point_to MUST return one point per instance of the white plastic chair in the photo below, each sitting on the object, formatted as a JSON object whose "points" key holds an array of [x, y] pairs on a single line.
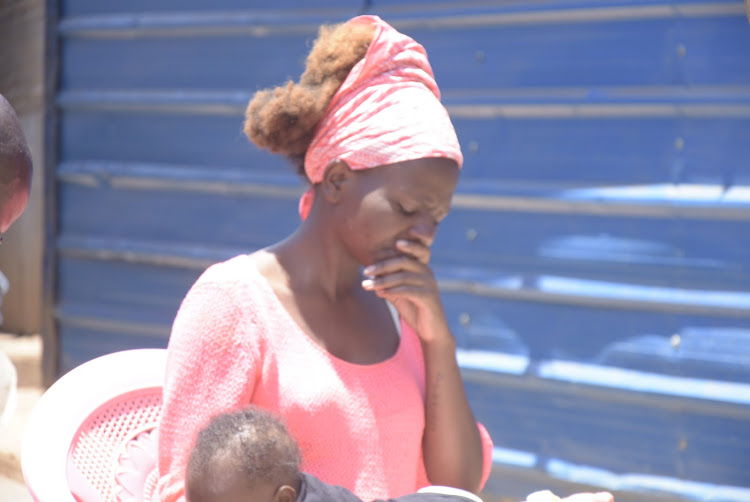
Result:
{"points": [[92, 436]]}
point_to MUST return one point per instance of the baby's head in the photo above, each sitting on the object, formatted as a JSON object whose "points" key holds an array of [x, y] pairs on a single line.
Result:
{"points": [[15, 166], [243, 455]]}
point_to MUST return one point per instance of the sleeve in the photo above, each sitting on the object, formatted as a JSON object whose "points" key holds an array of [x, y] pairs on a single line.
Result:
{"points": [[487, 446], [212, 367]]}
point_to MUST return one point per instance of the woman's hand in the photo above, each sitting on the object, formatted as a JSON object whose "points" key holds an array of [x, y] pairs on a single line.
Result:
{"points": [[409, 284], [452, 448], [548, 496]]}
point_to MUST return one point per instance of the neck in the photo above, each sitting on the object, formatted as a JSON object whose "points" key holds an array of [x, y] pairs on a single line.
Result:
{"points": [[314, 261]]}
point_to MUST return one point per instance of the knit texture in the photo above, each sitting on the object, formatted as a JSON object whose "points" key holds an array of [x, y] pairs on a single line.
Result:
{"points": [[233, 343]]}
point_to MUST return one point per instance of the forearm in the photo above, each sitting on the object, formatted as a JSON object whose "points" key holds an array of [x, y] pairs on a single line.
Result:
{"points": [[451, 444]]}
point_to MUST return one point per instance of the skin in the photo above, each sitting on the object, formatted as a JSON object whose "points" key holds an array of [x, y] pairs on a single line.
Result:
{"points": [[367, 239], [317, 274], [13, 200], [15, 167]]}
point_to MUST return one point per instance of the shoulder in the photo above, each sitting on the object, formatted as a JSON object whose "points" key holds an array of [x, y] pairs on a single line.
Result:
{"points": [[229, 281], [223, 292], [232, 271], [225, 302]]}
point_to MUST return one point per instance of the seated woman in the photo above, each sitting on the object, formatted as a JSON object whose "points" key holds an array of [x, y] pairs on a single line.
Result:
{"points": [[340, 328]]}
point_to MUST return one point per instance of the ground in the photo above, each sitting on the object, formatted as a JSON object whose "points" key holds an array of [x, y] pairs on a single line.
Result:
{"points": [[25, 353]]}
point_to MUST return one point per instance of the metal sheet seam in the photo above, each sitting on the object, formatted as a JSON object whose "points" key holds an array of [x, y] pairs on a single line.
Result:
{"points": [[252, 24]]}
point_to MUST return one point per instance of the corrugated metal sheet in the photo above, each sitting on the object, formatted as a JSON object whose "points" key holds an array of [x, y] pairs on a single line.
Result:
{"points": [[595, 267]]}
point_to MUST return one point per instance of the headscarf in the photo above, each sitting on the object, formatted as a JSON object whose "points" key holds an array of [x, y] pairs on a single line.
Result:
{"points": [[387, 110]]}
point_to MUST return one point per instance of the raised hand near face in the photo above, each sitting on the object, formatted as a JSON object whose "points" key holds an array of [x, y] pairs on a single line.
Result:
{"points": [[407, 281]]}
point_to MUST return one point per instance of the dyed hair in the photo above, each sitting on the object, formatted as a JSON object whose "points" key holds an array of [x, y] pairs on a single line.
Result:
{"points": [[283, 119], [251, 443]]}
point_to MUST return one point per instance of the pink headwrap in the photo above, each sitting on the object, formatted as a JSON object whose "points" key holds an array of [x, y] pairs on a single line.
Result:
{"points": [[387, 110]]}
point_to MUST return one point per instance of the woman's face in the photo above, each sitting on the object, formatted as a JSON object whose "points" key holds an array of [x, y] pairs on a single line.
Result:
{"points": [[406, 200]]}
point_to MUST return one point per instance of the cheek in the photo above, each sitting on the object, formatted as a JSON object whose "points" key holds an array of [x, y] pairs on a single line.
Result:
{"points": [[380, 219], [12, 209], [371, 229]]}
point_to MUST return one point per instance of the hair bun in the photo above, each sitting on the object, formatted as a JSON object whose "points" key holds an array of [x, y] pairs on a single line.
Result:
{"points": [[283, 119]]}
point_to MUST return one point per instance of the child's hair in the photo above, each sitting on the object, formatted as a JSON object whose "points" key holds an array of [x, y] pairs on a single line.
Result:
{"points": [[15, 157], [250, 442], [283, 119]]}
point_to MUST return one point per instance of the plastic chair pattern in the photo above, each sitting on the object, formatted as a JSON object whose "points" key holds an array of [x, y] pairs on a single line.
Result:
{"points": [[93, 434]]}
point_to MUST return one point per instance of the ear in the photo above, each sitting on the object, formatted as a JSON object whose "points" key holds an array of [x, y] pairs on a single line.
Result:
{"points": [[285, 493], [335, 179]]}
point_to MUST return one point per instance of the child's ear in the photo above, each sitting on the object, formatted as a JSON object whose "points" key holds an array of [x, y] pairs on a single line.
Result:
{"points": [[285, 493]]}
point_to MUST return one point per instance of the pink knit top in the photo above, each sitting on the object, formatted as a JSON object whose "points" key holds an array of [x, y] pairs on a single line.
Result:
{"points": [[233, 343]]}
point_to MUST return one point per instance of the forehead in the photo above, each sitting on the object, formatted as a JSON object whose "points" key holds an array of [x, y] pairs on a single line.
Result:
{"points": [[431, 178]]}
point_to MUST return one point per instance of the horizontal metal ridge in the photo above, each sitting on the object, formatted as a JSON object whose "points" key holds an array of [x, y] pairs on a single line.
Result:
{"points": [[548, 289], [609, 384], [602, 207], [589, 110], [707, 102], [82, 319], [206, 179], [253, 23], [645, 484], [257, 23], [707, 202], [226, 102], [181, 255], [600, 294]]}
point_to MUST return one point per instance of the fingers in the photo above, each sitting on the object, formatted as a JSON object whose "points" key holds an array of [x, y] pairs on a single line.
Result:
{"points": [[401, 283], [396, 265], [406, 276], [416, 249]]}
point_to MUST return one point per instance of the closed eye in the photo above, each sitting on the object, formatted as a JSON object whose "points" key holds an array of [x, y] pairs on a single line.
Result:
{"points": [[405, 211]]}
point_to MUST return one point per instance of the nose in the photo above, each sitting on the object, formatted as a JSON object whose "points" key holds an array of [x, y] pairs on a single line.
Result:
{"points": [[425, 230]]}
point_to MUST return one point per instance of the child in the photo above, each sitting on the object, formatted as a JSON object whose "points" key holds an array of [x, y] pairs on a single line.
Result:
{"points": [[249, 455]]}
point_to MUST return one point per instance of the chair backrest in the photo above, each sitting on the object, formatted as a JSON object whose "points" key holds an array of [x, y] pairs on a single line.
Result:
{"points": [[92, 435]]}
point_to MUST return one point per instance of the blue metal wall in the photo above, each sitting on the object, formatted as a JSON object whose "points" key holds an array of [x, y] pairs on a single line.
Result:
{"points": [[596, 265]]}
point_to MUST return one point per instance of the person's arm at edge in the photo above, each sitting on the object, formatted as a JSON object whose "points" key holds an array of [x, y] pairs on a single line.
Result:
{"points": [[208, 371]]}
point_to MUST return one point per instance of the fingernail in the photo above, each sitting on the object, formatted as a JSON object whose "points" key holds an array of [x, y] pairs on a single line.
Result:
{"points": [[368, 283], [369, 270]]}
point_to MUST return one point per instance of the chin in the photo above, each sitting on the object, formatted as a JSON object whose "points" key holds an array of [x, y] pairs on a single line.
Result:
{"points": [[384, 254]]}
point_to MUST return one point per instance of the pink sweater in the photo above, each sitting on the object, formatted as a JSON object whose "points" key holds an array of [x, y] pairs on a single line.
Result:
{"points": [[233, 343]]}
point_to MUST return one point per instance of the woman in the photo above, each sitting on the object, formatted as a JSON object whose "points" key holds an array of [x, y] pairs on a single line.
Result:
{"points": [[305, 328]]}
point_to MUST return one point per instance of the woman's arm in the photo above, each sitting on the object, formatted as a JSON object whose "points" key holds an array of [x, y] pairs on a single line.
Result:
{"points": [[209, 370], [453, 449], [452, 446]]}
